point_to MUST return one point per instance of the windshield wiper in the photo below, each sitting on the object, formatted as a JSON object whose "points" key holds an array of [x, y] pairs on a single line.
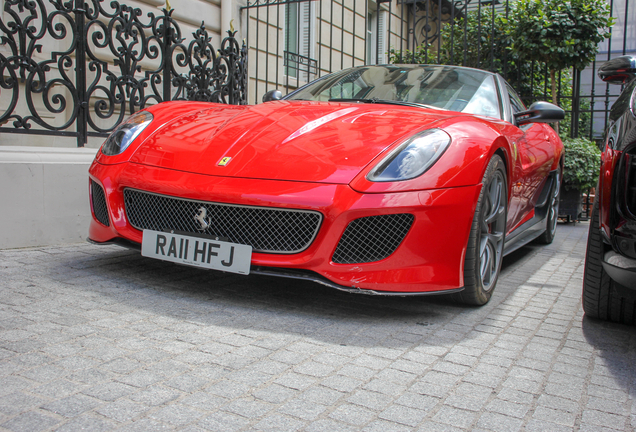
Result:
{"points": [[382, 101]]}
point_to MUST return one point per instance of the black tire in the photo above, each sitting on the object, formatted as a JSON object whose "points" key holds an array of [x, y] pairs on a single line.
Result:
{"points": [[484, 252], [553, 212], [602, 297]]}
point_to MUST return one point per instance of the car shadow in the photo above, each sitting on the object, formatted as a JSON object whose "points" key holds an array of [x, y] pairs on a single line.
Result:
{"points": [[616, 354], [269, 303]]}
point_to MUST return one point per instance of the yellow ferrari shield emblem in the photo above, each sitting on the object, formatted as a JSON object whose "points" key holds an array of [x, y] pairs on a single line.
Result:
{"points": [[224, 161]]}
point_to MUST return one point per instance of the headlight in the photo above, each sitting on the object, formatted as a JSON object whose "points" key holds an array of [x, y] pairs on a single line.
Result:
{"points": [[125, 133], [412, 158]]}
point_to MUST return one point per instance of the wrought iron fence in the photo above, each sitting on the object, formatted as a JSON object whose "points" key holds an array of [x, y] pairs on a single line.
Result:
{"points": [[78, 69]]}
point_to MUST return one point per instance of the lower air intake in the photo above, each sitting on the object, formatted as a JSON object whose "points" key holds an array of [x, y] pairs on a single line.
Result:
{"points": [[372, 238], [100, 210]]}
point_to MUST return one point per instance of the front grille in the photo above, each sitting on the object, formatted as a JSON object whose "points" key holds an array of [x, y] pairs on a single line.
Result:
{"points": [[100, 210], [372, 238], [266, 229]]}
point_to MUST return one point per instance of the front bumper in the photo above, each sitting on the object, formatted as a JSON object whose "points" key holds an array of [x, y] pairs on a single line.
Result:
{"points": [[429, 259], [620, 268]]}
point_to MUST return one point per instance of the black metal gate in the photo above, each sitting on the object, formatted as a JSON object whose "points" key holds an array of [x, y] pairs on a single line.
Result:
{"points": [[80, 68]]}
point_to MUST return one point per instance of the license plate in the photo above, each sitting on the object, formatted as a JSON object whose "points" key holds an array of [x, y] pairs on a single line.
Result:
{"points": [[197, 251]]}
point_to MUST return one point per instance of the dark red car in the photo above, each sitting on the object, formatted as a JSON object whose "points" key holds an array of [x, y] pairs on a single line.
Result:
{"points": [[609, 286], [377, 179]]}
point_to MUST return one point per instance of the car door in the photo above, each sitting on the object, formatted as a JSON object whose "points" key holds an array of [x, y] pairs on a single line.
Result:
{"points": [[533, 159]]}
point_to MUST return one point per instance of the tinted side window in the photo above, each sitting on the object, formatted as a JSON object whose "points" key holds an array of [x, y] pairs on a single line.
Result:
{"points": [[515, 101]]}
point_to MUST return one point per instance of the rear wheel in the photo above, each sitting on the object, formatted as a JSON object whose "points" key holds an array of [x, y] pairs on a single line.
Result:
{"points": [[484, 252], [602, 297], [553, 212]]}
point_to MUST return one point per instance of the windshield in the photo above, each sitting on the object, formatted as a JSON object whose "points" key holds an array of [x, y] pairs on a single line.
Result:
{"points": [[456, 89]]}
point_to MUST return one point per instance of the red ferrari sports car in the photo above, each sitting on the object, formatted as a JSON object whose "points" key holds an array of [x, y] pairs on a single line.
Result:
{"points": [[411, 179]]}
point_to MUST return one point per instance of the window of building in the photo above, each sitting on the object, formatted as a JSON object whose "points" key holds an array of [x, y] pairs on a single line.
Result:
{"points": [[299, 39], [376, 35]]}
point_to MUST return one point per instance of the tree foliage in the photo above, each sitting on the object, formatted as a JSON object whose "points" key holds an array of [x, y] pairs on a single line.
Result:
{"points": [[582, 163], [484, 39], [560, 33]]}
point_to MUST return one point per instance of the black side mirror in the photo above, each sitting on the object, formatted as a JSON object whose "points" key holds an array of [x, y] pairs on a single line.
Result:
{"points": [[540, 112], [272, 95], [619, 70]]}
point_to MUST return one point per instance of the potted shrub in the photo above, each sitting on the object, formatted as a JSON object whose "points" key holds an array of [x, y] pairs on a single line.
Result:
{"points": [[580, 173]]}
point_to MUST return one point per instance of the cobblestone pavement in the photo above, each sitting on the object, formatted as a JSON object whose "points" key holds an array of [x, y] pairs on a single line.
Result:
{"points": [[98, 338]]}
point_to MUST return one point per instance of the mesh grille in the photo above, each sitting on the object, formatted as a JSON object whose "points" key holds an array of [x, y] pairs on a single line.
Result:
{"points": [[372, 238], [100, 210], [265, 229]]}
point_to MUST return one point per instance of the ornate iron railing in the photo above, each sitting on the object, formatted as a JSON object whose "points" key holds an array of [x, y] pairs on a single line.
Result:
{"points": [[301, 63], [80, 68]]}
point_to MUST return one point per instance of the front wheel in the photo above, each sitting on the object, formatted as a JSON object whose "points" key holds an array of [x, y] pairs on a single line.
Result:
{"points": [[484, 252]]}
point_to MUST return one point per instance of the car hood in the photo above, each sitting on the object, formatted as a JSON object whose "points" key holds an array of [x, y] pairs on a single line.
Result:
{"points": [[283, 140]]}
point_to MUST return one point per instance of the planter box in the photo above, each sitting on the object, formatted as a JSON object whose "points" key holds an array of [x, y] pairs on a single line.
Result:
{"points": [[570, 205]]}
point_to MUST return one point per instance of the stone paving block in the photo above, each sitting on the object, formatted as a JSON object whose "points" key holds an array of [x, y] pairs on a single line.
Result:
{"points": [[599, 418], [483, 379], [369, 399], [421, 402], [314, 369], [147, 424], [508, 408], [358, 372], [18, 402], [353, 414], [109, 391], [329, 425], [431, 426], [296, 381], [303, 409], [535, 425], [87, 423], [455, 417], [554, 416], [383, 426], [341, 383], [155, 395], [279, 423], [176, 415], [608, 406], [430, 389], [72, 406], [499, 423], [32, 421], [12, 384], [122, 410], [465, 402]]}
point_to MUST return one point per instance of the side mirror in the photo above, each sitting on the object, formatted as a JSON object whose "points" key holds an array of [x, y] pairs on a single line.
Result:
{"points": [[619, 70], [540, 112], [272, 95]]}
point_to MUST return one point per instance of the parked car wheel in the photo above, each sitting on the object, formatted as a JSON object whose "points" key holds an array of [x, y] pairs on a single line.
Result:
{"points": [[553, 212], [484, 253], [603, 298]]}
